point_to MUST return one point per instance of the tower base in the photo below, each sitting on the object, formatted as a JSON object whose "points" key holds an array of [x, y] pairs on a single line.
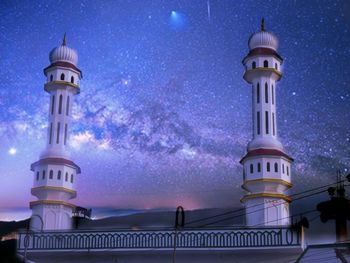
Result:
{"points": [[265, 211], [53, 215]]}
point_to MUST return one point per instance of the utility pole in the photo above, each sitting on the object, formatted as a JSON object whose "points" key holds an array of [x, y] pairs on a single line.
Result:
{"points": [[338, 208]]}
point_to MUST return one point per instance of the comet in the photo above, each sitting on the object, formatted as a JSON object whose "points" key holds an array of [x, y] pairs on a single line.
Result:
{"points": [[208, 9]]}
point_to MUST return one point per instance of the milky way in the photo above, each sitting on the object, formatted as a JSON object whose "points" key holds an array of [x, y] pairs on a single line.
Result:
{"points": [[164, 115]]}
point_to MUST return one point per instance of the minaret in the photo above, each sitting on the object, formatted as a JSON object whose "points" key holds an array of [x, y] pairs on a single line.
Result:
{"points": [[266, 166], [55, 173]]}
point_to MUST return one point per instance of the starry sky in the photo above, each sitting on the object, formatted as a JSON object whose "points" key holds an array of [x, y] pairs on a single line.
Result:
{"points": [[164, 115]]}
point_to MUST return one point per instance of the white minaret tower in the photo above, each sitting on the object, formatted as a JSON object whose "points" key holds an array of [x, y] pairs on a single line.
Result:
{"points": [[55, 173], [266, 166]]}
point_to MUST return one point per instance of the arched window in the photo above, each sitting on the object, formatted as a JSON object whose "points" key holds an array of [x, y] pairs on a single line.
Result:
{"points": [[50, 135], [254, 64], [287, 170], [67, 106], [258, 122], [51, 78], [273, 124], [65, 134], [43, 174], [244, 175], [62, 76], [66, 177], [266, 93], [58, 133], [272, 95], [282, 167], [267, 122], [251, 168], [276, 168], [72, 79], [51, 174], [71, 178], [259, 167], [258, 93], [59, 175], [266, 64], [276, 67], [60, 104], [268, 166], [37, 176], [52, 104]]}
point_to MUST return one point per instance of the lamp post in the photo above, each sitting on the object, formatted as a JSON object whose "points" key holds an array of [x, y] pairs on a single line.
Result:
{"points": [[26, 238]]}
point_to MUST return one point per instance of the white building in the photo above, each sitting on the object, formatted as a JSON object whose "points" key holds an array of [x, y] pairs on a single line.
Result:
{"points": [[266, 166], [267, 175], [55, 172]]}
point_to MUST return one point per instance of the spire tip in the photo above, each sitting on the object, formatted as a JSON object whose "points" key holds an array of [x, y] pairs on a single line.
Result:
{"points": [[262, 24], [64, 40]]}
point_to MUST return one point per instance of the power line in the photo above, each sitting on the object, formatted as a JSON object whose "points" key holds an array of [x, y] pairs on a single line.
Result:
{"points": [[232, 217], [291, 216], [243, 208]]}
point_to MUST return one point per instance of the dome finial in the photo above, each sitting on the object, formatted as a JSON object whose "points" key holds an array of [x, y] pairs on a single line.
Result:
{"points": [[64, 40], [262, 24]]}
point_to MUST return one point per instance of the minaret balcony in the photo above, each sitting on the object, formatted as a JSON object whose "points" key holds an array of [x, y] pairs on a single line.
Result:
{"points": [[267, 195], [61, 84], [270, 185], [53, 193], [252, 74]]}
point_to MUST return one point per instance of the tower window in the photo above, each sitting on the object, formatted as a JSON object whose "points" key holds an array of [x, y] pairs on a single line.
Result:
{"points": [[287, 170], [62, 76], [37, 176], [272, 95], [259, 167], [251, 168], [283, 168], [266, 93], [266, 64], [67, 106], [59, 175], [258, 122], [258, 93], [58, 133], [254, 64], [72, 79], [273, 124], [53, 104], [71, 178], [60, 104], [51, 78], [50, 135], [43, 175], [276, 168], [268, 166], [276, 67], [51, 174], [267, 122], [244, 175], [65, 134], [66, 177]]}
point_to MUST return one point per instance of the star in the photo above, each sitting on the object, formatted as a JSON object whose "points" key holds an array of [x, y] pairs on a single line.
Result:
{"points": [[12, 151]]}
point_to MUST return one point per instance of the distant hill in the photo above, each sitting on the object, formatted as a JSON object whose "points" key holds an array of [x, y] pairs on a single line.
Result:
{"points": [[157, 219]]}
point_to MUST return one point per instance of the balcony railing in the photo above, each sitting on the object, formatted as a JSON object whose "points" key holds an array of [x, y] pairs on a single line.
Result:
{"points": [[159, 239]]}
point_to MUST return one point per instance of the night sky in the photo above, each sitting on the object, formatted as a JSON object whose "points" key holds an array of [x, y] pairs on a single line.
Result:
{"points": [[164, 115]]}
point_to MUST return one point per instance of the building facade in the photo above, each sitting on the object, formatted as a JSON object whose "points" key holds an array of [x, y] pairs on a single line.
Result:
{"points": [[55, 173], [266, 166], [267, 175]]}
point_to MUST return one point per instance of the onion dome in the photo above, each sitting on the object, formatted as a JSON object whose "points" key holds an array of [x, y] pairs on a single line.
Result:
{"points": [[64, 54], [263, 39]]}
